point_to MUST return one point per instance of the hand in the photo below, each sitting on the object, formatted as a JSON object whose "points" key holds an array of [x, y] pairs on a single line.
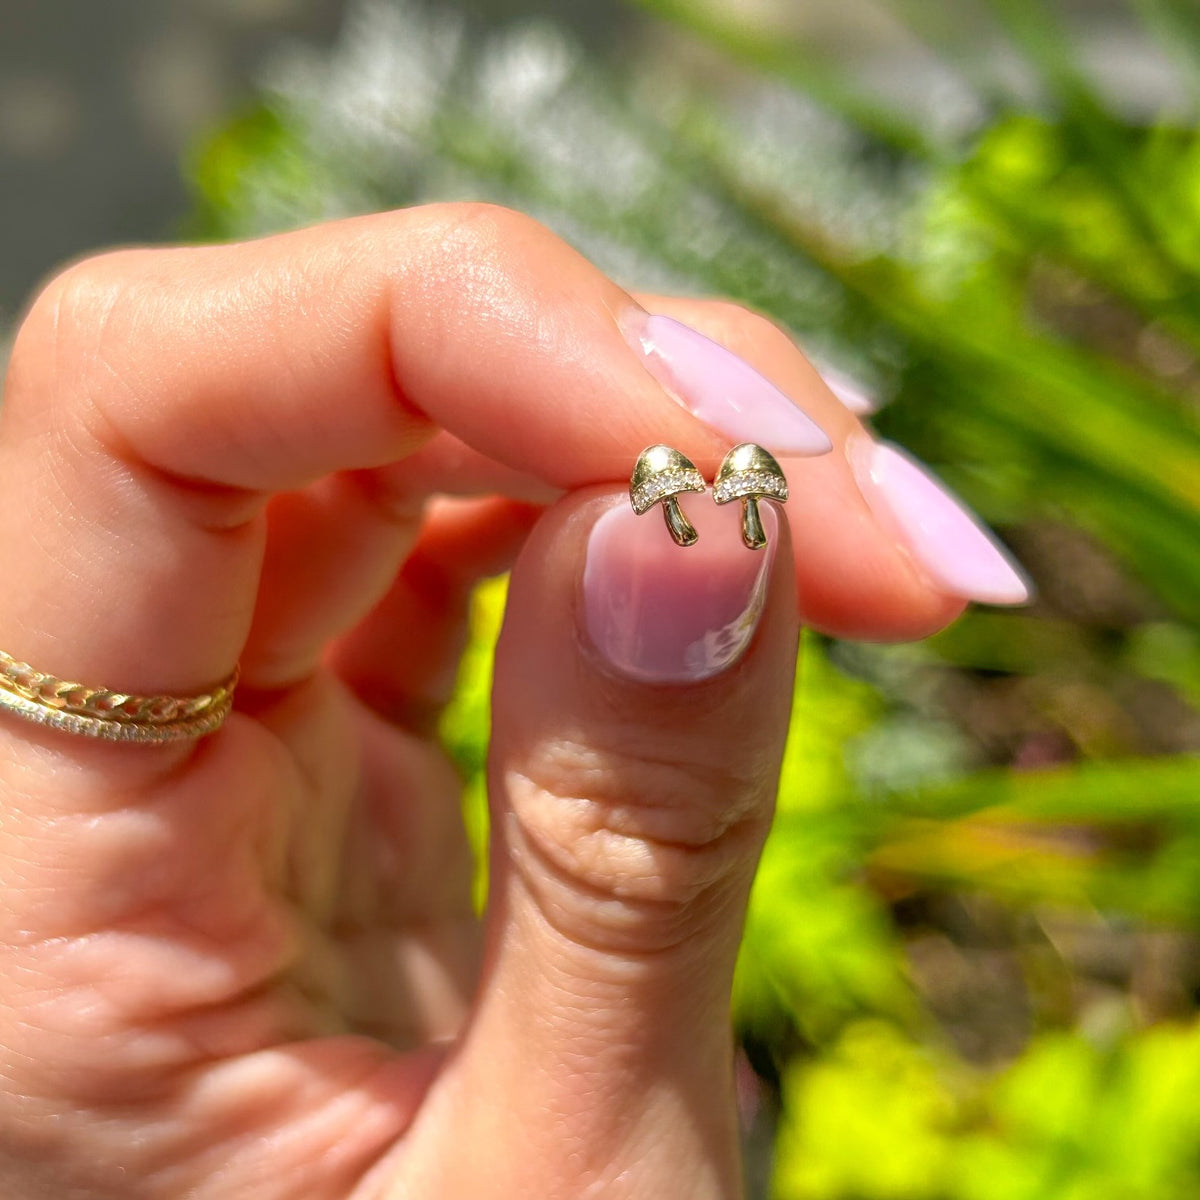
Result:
{"points": [[247, 966]]}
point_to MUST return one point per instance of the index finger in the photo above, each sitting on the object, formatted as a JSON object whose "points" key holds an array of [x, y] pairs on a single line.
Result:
{"points": [[156, 397]]}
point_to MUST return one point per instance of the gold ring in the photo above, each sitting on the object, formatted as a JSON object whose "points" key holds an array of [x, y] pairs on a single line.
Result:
{"points": [[104, 713]]}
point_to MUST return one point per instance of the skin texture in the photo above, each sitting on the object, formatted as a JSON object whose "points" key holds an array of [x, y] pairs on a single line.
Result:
{"points": [[248, 967]]}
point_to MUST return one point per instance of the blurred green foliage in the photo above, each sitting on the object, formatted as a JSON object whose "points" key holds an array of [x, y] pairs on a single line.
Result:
{"points": [[973, 955]]}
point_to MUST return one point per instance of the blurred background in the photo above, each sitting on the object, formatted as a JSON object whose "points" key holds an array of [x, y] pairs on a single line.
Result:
{"points": [[972, 967]]}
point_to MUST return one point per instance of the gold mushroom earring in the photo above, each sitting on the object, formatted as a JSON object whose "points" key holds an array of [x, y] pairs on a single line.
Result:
{"points": [[659, 475], [750, 474]]}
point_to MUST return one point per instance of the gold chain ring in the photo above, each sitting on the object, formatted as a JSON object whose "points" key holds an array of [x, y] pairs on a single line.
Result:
{"points": [[104, 713]]}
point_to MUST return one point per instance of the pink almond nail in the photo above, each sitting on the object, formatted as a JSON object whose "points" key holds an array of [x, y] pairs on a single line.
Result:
{"points": [[660, 613], [720, 388], [957, 553]]}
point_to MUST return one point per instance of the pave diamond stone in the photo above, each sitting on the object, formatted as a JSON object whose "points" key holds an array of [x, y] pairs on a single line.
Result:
{"points": [[750, 483], [667, 484]]}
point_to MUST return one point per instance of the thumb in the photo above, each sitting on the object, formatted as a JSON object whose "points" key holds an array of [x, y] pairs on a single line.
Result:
{"points": [[640, 708]]}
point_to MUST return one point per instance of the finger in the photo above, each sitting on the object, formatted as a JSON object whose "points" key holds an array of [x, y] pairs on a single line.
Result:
{"points": [[447, 466], [333, 551], [880, 552], [640, 707], [155, 398], [402, 913], [403, 658]]}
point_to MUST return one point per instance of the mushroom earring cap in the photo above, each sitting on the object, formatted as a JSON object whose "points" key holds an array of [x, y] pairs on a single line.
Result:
{"points": [[749, 474], [659, 475]]}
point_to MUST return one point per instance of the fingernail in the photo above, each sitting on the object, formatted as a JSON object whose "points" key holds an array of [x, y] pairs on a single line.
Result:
{"points": [[957, 553], [849, 391], [720, 388], [658, 613]]}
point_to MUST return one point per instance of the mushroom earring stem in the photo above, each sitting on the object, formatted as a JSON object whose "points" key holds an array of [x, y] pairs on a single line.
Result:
{"points": [[753, 533], [749, 474], [659, 476], [682, 530]]}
